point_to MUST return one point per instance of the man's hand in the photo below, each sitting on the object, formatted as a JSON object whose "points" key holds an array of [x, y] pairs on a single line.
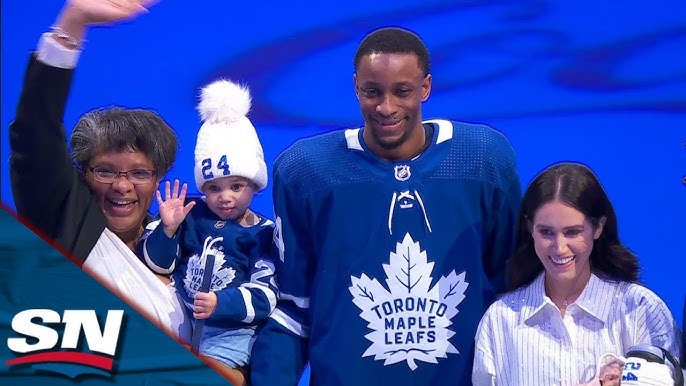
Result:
{"points": [[204, 304]]}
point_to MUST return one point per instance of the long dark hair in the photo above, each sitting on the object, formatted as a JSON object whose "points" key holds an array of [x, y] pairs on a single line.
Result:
{"points": [[577, 186]]}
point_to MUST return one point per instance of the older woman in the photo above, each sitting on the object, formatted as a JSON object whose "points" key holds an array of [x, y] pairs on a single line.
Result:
{"points": [[94, 212], [574, 293]]}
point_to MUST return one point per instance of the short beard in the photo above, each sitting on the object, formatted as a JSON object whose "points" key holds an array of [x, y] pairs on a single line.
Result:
{"points": [[386, 145]]}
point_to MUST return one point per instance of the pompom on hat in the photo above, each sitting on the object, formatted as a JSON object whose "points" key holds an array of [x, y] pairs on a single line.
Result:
{"points": [[227, 143]]}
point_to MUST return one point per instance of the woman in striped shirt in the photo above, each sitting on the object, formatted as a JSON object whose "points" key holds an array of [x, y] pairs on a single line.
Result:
{"points": [[573, 291]]}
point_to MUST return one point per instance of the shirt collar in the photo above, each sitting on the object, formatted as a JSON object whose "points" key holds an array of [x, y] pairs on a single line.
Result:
{"points": [[536, 299], [592, 299]]}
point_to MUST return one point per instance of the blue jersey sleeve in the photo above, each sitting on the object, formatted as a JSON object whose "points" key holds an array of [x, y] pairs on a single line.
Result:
{"points": [[278, 357], [158, 251], [254, 299], [505, 201], [279, 352]]}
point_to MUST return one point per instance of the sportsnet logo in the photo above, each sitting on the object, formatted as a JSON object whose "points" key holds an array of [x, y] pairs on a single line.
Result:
{"points": [[39, 341]]}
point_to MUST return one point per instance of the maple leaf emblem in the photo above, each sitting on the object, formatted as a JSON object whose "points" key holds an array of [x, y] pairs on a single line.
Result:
{"points": [[410, 321], [221, 276]]}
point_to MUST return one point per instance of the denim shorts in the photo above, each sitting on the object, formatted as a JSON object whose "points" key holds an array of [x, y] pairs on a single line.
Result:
{"points": [[230, 347]]}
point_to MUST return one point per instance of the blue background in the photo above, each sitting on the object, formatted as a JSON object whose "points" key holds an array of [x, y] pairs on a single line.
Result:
{"points": [[601, 82]]}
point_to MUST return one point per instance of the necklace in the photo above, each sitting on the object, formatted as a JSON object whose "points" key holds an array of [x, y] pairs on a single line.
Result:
{"points": [[565, 302]]}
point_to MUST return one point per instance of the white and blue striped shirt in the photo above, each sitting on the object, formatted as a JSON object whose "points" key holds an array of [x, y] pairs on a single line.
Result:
{"points": [[523, 340]]}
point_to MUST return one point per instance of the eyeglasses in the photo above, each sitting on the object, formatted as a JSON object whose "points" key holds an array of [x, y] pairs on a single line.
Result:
{"points": [[108, 176]]}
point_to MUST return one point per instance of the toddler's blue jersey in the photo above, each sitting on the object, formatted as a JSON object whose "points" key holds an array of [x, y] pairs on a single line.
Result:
{"points": [[387, 267], [243, 272]]}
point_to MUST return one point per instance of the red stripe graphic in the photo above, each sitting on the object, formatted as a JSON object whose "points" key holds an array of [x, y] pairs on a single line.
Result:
{"points": [[65, 356]]}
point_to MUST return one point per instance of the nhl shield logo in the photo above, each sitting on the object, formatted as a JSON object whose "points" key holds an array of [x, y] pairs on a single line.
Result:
{"points": [[402, 172]]}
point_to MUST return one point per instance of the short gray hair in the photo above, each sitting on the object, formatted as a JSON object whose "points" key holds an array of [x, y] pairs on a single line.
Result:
{"points": [[120, 129]]}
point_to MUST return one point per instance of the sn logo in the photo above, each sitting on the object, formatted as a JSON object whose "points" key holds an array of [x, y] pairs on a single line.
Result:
{"points": [[41, 348]]}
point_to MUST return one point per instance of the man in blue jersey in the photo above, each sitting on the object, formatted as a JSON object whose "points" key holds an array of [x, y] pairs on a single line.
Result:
{"points": [[392, 236]]}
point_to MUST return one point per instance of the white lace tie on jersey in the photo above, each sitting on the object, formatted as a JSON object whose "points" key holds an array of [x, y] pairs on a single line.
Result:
{"points": [[395, 199], [207, 248]]}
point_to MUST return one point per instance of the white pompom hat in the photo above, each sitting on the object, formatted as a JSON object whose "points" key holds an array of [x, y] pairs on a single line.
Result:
{"points": [[227, 143]]}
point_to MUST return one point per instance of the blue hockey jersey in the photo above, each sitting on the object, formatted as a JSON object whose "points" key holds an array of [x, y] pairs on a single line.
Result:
{"points": [[243, 272], [385, 268]]}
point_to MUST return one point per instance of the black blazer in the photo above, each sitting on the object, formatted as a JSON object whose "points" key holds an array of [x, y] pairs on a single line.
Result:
{"points": [[49, 192]]}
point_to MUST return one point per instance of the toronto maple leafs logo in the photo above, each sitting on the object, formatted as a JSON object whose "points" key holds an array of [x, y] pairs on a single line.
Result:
{"points": [[410, 320], [221, 276]]}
